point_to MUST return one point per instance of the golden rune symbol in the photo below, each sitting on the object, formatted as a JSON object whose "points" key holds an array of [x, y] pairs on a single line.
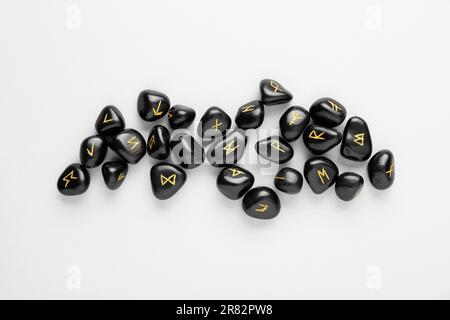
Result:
{"points": [[106, 120], [217, 125], [121, 176], [247, 108], [276, 145], [262, 208], [280, 178], [230, 147], [334, 106], [235, 172], [157, 112], [359, 139], [323, 173], [313, 135], [133, 142], [391, 170], [91, 150], [275, 86], [295, 116], [152, 141], [69, 177], [171, 179]]}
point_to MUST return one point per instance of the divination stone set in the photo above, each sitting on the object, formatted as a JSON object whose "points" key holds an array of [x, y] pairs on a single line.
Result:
{"points": [[227, 146]]}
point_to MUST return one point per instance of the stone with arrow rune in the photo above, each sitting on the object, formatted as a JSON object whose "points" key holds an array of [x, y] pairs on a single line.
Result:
{"points": [[110, 121], [152, 105], [93, 151], [114, 173]]}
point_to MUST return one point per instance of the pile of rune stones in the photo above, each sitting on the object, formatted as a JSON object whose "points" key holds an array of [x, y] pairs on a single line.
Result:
{"points": [[226, 147]]}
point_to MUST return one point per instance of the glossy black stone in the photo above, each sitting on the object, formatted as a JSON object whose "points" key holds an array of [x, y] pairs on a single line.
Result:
{"points": [[229, 150], [327, 112], [348, 185], [273, 93], [234, 182], [357, 143], [250, 115], [158, 143], [261, 203], [93, 151], [289, 180], [275, 149], [214, 123], [152, 105], [110, 121], [293, 121], [186, 151], [319, 139], [129, 144], [320, 173], [180, 117], [114, 173], [74, 180], [166, 179], [381, 169]]}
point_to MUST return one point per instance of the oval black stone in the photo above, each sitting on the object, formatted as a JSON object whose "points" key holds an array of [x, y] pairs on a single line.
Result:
{"points": [[293, 121], [273, 93], [289, 180], [114, 173], [214, 123], [233, 182], [250, 115], [129, 145], [275, 149], [93, 151], [328, 112], [319, 139], [180, 117], [74, 180], [166, 179], [381, 169], [348, 185], [158, 143], [320, 173], [110, 121], [261, 203], [186, 151], [357, 143], [228, 150], [152, 105]]}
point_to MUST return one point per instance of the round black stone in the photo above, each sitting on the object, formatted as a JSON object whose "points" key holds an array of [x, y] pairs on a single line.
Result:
{"points": [[327, 112], [233, 182], [93, 151], [288, 180], [348, 185], [381, 169], [152, 105], [74, 180], [261, 203]]}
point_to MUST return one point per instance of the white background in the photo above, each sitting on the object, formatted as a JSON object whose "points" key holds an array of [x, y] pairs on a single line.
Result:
{"points": [[62, 61]]}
